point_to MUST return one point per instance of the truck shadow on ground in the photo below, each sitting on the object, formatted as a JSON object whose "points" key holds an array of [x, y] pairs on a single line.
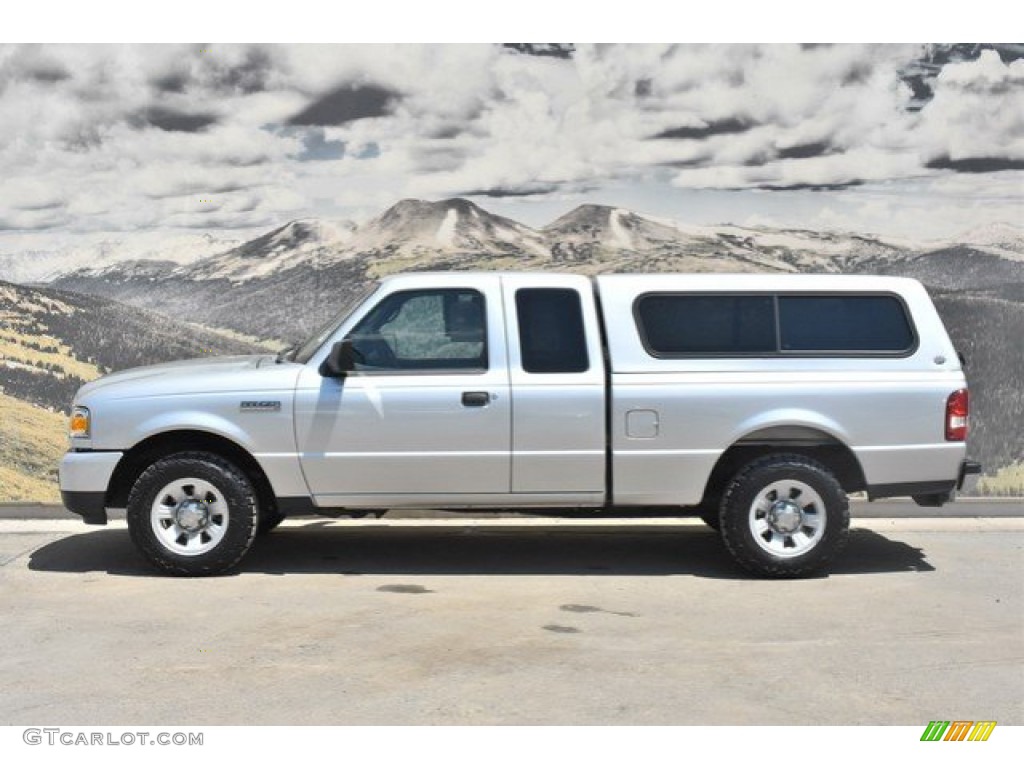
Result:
{"points": [[322, 547]]}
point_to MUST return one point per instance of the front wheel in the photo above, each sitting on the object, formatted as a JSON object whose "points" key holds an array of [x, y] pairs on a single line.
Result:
{"points": [[269, 520], [784, 515], [192, 514]]}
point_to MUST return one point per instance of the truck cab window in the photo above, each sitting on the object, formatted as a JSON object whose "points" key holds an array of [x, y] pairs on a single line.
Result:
{"points": [[423, 331], [551, 335]]}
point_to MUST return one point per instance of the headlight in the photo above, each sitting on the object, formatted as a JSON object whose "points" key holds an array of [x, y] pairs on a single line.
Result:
{"points": [[81, 422]]}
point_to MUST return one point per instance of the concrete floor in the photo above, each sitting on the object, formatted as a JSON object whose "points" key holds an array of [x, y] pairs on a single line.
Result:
{"points": [[516, 622]]}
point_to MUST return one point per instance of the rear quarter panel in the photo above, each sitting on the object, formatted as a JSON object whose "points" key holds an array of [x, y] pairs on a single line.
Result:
{"points": [[888, 410]]}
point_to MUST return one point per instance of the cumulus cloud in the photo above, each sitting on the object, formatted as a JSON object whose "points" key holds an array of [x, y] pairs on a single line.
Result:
{"points": [[33, 195], [976, 117], [142, 136]]}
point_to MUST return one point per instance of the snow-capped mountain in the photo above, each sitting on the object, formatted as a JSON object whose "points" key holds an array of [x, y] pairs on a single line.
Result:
{"points": [[591, 229], [409, 234], [458, 234], [1007, 239], [413, 229], [602, 234], [101, 251], [613, 228], [316, 263], [297, 242]]}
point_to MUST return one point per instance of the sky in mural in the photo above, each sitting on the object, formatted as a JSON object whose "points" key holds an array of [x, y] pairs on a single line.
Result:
{"points": [[915, 141]]}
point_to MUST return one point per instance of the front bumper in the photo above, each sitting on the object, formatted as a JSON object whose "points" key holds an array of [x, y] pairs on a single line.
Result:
{"points": [[91, 505], [84, 479]]}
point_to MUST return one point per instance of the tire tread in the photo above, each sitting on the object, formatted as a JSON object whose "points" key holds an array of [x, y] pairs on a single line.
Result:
{"points": [[244, 511], [734, 520]]}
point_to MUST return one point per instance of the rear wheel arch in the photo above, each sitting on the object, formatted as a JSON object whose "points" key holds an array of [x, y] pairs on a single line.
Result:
{"points": [[814, 444]]}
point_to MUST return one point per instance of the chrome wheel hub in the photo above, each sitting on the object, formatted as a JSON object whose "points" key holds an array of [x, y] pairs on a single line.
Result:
{"points": [[787, 518], [189, 516], [192, 515], [784, 516]]}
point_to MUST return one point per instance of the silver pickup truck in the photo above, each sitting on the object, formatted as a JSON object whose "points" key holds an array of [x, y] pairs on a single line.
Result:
{"points": [[757, 402]]}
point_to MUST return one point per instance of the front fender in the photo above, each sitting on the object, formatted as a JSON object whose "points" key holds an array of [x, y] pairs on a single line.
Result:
{"points": [[193, 421], [267, 436]]}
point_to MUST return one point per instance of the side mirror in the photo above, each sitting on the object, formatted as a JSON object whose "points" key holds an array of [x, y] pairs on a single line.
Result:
{"points": [[340, 361]]}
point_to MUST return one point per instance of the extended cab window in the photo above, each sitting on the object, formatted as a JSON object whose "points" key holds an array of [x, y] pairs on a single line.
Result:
{"points": [[551, 335], [423, 331]]}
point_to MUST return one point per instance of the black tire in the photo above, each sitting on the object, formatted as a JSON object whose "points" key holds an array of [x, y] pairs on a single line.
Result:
{"points": [[784, 516], [207, 519], [711, 517], [269, 520]]}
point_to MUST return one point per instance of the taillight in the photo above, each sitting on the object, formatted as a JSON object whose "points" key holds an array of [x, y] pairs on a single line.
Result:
{"points": [[957, 408]]}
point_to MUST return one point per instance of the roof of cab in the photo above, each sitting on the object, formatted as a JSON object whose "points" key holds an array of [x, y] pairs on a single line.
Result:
{"points": [[673, 281]]}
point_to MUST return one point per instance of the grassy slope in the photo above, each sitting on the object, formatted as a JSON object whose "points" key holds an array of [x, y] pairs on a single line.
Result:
{"points": [[33, 441], [1008, 481], [51, 342]]}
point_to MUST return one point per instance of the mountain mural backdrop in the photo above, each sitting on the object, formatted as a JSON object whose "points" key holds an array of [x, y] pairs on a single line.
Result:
{"points": [[76, 315]]}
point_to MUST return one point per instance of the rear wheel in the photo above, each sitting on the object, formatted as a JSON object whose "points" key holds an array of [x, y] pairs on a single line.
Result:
{"points": [[193, 514], [784, 515]]}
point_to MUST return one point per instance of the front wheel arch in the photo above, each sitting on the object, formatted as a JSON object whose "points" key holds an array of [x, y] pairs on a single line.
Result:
{"points": [[143, 454]]}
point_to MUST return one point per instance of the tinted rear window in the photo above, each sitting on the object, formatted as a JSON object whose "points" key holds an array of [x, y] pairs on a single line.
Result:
{"points": [[699, 325], [695, 325], [844, 324]]}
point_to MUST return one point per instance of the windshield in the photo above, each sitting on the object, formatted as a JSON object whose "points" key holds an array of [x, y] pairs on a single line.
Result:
{"points": [[309, 348]]}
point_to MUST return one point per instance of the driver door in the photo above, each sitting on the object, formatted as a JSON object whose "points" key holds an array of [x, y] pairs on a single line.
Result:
{"points": [[425, 416]]}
